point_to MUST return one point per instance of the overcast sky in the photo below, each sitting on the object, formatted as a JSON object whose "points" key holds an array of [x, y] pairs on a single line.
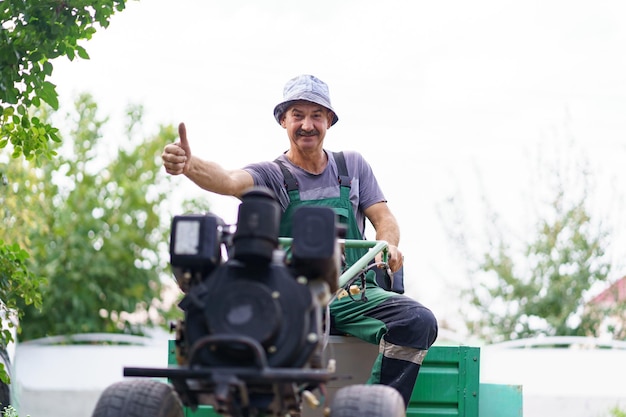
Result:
{"points": [[438, 96]]}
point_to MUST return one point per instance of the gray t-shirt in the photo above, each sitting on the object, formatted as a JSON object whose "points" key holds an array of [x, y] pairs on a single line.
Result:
{"points": [[364, 190]]}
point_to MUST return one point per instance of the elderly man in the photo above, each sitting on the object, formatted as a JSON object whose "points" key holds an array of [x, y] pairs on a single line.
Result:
{"points": [[309, 174]]}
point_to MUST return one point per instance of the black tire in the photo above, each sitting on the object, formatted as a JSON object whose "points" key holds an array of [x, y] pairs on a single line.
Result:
{"points": [[139, 398], [367, 401]]}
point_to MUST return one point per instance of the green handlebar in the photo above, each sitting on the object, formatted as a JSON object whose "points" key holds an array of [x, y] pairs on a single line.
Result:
{"points": [[375, 245]]}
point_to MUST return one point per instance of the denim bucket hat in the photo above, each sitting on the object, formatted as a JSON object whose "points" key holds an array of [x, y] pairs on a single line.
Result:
{"points": [[307, 88]]}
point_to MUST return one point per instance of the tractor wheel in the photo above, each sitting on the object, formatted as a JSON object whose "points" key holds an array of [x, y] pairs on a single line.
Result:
{"points": [[367, 401], [138, 398]]}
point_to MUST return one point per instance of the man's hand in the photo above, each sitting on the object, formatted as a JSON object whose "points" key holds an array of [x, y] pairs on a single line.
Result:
{"points": [[177, 156], [395, 259]]}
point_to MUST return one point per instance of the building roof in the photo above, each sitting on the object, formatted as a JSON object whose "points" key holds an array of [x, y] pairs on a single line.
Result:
{"points": [[614, 294]]}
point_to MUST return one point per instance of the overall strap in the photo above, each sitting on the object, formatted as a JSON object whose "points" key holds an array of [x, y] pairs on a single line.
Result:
{"points": [[292, 184], [342, 169], [290, 181]]}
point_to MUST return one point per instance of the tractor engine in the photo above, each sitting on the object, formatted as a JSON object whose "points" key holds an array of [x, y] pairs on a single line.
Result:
{"points": [[251, 302]]}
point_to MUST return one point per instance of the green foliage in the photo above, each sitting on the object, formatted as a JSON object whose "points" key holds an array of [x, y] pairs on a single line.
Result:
{"points": [[617, 412], [18, 284], [543, 291], [16, 281], [31, 35], [520, 288], [10, 411], [99, 234]]}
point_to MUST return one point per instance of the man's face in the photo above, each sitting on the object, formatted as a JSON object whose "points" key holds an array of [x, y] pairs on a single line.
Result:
{"points": [[306, 124]]}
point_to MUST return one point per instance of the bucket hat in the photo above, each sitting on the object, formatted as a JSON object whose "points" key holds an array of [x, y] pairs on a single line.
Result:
{"points": [[307, 88]]}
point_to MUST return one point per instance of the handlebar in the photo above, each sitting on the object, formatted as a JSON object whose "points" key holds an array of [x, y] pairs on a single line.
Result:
{"points": [[375, 245]]}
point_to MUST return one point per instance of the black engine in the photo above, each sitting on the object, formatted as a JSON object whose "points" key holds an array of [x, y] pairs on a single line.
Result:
{"points": [[254, 305]]}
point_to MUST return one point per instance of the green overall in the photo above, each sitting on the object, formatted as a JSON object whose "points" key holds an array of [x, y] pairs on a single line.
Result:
{"points": [[391, 321]]}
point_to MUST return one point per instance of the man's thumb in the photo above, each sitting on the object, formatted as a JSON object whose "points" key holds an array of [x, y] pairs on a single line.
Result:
{"points": [[182, 133]]}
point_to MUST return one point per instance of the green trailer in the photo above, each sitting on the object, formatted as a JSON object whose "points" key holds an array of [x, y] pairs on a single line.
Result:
{"points": [[448, 386]]}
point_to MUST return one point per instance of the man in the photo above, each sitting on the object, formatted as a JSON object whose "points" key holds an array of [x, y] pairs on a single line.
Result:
{"points": [[403, 329]]}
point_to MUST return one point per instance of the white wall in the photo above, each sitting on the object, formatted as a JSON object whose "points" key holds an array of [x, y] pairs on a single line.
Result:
{"points": [[51, 380], [560, 382], [66, 380]]}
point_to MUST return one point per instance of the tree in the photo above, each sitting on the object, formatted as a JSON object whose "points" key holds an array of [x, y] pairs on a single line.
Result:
{"points": [[18, 284], [545, 295], [540, 286], [32, 33], [100, 232]]}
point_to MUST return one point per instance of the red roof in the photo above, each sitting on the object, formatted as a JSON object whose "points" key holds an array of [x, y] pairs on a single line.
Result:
{"points": [[615, 293]]}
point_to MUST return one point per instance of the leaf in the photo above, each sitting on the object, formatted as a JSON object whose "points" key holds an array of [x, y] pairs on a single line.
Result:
{"points": [[8, 111], [11, 95], [47, 68], [49, 94], [52, 134], [82, 52]]}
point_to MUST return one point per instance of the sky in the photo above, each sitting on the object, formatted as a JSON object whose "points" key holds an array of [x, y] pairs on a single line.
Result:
{"points": [[445, 99]]}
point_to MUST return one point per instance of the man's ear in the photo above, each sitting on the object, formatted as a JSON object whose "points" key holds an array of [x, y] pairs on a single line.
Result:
{"points": [[329, 119]]}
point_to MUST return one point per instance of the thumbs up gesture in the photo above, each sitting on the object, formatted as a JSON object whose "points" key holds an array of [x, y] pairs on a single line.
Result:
{"points": [[177, 156]]}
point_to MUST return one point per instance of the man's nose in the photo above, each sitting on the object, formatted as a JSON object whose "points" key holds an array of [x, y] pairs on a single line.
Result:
{"points": [[307, 124]]}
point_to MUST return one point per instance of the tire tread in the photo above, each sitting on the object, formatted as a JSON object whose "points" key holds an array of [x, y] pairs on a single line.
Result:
{"points": [[368, 401], [138, 398]]}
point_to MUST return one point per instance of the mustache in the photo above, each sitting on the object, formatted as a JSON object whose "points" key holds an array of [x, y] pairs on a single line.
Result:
{"points": [[307, 133]]}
